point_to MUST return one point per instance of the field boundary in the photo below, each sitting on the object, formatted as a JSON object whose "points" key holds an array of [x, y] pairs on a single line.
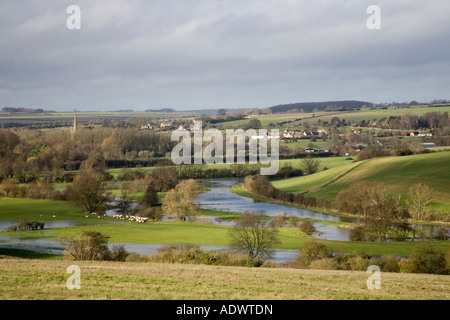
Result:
{"points": [[334, 179]]}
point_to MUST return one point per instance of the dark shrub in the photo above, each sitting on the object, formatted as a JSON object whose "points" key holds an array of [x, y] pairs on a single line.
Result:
{"points": [[119, 253], [425, 259], [154, 213], [357, 233], [310, 252], [441, 234], [29, 225], [194, 255], [387, 263], [92, 245], [307, 227]]}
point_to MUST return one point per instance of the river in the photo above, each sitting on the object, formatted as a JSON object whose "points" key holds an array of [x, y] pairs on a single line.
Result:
{"points": [[220, 197]]}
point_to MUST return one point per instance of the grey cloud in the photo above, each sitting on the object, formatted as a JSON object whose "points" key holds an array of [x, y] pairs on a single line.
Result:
{"points": [[202, 53]]}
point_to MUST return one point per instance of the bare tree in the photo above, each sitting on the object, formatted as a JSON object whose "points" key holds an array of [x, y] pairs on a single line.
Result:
{"points": [[385, 211], [151, 195], [380, 210], [419, 203], [179, 203], [419, 207], [88, 190], [310, 165], [125, 202], [252, 236]]}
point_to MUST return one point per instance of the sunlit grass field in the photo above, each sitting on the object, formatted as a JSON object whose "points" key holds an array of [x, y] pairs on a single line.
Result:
{"points": [[398, 173], [313, 181], [16, 210], [47, 280]]}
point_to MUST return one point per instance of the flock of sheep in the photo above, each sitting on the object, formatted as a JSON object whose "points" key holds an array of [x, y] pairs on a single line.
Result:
{"points": [[131, 218]]}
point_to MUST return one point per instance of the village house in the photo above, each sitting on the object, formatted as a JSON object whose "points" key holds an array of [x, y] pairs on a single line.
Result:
{"points": [[287, 134], [315, 150], [293, 134], [421, 134], [147, 126], [297, 135], [310, 134], [163, 125]]}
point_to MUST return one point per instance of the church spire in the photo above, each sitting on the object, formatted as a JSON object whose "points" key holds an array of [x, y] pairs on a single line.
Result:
{"points": [[74, 129]]}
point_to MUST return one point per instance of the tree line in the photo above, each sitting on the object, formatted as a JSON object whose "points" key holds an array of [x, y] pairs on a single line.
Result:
{"points": [[381, 214]]}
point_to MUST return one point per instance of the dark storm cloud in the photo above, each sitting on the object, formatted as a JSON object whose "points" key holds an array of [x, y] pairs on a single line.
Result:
{"points": [[217, 53]]}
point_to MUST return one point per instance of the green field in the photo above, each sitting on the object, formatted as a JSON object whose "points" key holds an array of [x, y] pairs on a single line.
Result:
{"points": [[383, 113], [313, 181], [47, 280], [16, 210], [266, 119], [189, 233], [399, 173], [292, 121], [303, 143]]}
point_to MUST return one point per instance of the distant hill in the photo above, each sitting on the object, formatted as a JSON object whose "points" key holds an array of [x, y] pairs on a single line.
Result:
{"points": [[327, 105], [24, 110], [161, 110]]}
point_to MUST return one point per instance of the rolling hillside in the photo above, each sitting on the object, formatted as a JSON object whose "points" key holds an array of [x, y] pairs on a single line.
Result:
{"points": [[399, 173]]}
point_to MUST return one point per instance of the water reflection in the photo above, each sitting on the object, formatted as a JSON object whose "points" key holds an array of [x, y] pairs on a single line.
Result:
{"points": [[48, 224], [220, 197], [54, 247]]}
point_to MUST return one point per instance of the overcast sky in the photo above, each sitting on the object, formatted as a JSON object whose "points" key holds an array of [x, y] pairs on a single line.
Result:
{"points": [[197, 54]]}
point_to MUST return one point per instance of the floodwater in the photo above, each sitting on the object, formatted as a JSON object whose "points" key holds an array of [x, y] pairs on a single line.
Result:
{"points": [[221, 198], [48, 224], [218, 197], [56, 248]]}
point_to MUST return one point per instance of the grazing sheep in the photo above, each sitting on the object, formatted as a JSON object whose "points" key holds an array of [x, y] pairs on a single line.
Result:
{"points": [[131, 218]]}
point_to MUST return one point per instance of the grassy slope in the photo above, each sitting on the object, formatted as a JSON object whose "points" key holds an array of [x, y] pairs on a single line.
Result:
{"points": [[37, 279], [310, 182], [399, 173], [328, 162]]}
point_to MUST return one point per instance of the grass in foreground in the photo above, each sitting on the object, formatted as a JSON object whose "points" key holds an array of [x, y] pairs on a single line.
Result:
{"points": [[45, 280]]}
